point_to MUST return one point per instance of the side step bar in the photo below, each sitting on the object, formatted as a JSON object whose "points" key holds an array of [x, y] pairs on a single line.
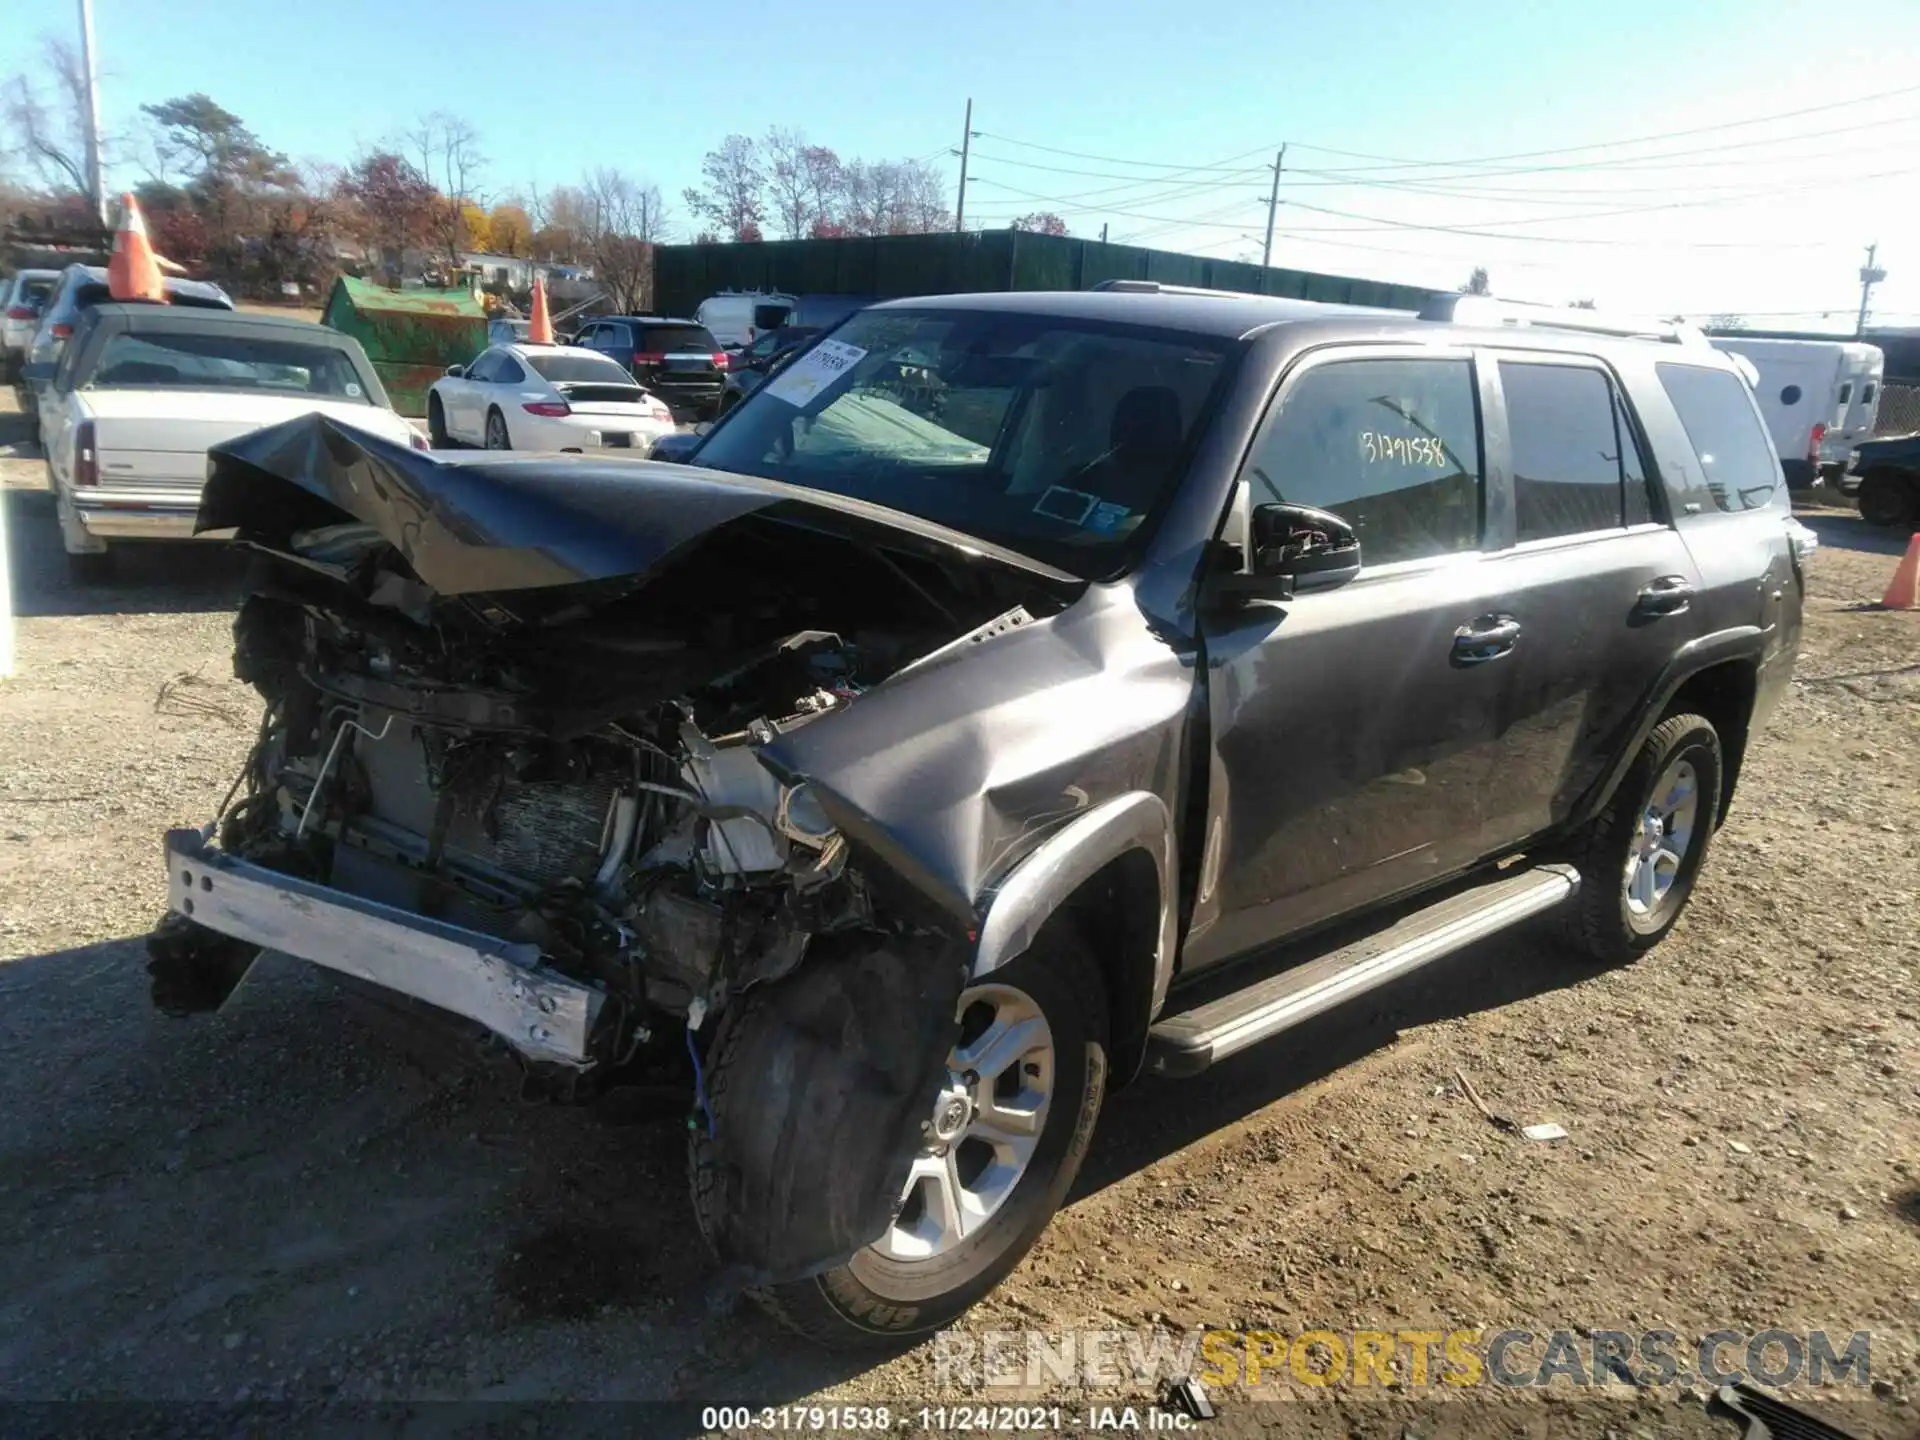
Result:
{"points": [[1187, 1043]]}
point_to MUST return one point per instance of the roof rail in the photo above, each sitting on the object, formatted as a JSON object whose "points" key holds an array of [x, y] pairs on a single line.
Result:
{"points": [[1513, 314], [1155, 287]]}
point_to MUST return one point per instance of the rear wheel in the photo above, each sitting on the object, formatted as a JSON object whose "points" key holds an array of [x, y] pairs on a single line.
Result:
{"points": [[497, 438], [436, 423], [1886, 498], [1005, 1139], [1638, 858]]}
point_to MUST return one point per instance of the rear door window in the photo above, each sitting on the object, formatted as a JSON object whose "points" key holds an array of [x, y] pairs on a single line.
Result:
{"points": [[1568, 451], [1719, 417], [1392, 446]]}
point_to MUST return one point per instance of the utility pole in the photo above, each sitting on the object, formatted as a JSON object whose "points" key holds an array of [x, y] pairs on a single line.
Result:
{"points": [[966, 148], [96, 181], [1870, 276], [1103, 232], [1273, 204]]}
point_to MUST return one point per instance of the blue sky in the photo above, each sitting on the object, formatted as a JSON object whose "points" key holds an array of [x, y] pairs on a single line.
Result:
{"points": [[1765, 219]]}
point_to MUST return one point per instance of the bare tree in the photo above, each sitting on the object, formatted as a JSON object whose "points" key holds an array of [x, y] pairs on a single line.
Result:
{"points": [[49, 132], [889, 197], [1477, 282], [1040, 222], [628, 218], [562, 222], [922, 206], [734, 196], [446, 149], [806, 182]]}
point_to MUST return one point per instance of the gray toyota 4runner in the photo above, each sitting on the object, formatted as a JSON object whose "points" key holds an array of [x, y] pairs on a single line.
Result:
{"points": [[1017, 693]]}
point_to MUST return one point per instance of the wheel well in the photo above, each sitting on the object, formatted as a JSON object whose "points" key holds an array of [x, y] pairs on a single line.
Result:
{"points": [[1117, 912], [1724, 694]]}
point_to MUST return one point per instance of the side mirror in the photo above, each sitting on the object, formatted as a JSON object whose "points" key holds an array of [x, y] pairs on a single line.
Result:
{"points": [[454, 372], [675, 448], [1311, 548]]}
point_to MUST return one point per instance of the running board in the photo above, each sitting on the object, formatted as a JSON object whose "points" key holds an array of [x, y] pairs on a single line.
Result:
{"points": [[1187, 1043]]}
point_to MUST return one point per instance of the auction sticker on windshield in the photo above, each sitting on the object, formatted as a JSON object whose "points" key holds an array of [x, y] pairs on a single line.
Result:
{"points": [[815, 371]]}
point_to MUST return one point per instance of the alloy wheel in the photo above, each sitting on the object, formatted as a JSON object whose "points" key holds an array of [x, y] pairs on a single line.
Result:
{"points": [[986, 1122], [1663, 839]]}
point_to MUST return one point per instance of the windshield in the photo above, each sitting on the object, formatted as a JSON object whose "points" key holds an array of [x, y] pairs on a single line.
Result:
{"points": [[567, 366], [225, 362], [1054, 438]]}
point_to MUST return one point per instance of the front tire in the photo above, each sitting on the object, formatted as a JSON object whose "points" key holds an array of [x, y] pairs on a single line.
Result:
{"points": [[1639, 857], [1033, 1040], [436, 423], [1886, 498], [497, 437]]}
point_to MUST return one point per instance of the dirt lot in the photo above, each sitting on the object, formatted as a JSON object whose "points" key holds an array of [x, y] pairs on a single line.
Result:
{"points": [[278, 1203]]}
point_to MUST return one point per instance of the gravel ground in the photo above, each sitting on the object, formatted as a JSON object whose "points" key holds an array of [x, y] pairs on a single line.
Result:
{"points": [[280, 1203]]}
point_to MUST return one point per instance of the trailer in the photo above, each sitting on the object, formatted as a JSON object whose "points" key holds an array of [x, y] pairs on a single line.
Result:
{"points": [[1820, 399]]}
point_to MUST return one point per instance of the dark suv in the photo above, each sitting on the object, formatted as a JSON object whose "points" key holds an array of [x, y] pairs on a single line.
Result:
{"points": [[678, 360], [1016, 693]]}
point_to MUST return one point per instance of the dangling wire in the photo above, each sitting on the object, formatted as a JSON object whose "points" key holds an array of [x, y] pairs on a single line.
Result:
{"points": [[699, 1084]]}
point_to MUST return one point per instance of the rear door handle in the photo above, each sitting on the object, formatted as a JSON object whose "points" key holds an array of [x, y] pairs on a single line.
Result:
{"points": [[1667, 595], [1484, 639]]}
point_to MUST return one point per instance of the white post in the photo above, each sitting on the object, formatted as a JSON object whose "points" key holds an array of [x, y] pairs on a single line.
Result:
{"points": [[6, 595], [96, 178]]}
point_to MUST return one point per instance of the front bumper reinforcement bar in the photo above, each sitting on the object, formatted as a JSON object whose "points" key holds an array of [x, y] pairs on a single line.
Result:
{"points": [[498, 983]]}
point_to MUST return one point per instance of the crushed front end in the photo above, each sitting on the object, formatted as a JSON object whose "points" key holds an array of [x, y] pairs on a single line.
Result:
{"points": [[541, 805]]}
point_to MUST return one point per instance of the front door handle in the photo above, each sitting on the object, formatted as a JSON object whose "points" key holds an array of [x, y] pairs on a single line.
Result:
{"points": [[1667, 595], [1484, 639]]}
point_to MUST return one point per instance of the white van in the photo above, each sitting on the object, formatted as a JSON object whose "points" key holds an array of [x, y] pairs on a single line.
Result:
{"points": [[1820, 397], [736, 317]]}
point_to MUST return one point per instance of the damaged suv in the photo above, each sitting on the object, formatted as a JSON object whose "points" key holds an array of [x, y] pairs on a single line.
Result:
{"points": [[1017, 693]]}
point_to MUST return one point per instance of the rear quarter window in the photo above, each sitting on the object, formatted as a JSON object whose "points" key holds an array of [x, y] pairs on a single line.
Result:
{"points": [[1728, 439]]}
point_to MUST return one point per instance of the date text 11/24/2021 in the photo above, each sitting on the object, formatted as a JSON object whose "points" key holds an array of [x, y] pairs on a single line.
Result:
{"points": [[940, 1419]]}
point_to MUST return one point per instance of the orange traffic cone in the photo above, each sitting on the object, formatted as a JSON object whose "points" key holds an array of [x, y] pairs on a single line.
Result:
{"points": [[1903, 593], [133, 273], [540, 327]]}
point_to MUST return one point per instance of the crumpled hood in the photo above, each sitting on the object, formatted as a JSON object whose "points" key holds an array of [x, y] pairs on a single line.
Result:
{"points": [[482, 522]]}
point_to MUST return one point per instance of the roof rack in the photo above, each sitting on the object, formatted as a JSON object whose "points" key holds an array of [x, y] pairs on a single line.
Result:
{"points": [[1513, 314]]}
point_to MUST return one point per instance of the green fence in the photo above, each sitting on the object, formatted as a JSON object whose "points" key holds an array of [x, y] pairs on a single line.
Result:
{"points": [[887, 266]]}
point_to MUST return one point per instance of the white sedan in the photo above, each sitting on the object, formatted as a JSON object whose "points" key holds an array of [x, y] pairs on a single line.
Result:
{"points": [[544, 397]]}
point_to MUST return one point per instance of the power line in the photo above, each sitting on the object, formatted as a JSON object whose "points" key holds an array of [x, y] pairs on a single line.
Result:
{"points": [[1132, 180], [1117, 160], [1380, 222], [1665, 160], [1740, 199], [1109, 210], [1516, 195], [1402, 162]]}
